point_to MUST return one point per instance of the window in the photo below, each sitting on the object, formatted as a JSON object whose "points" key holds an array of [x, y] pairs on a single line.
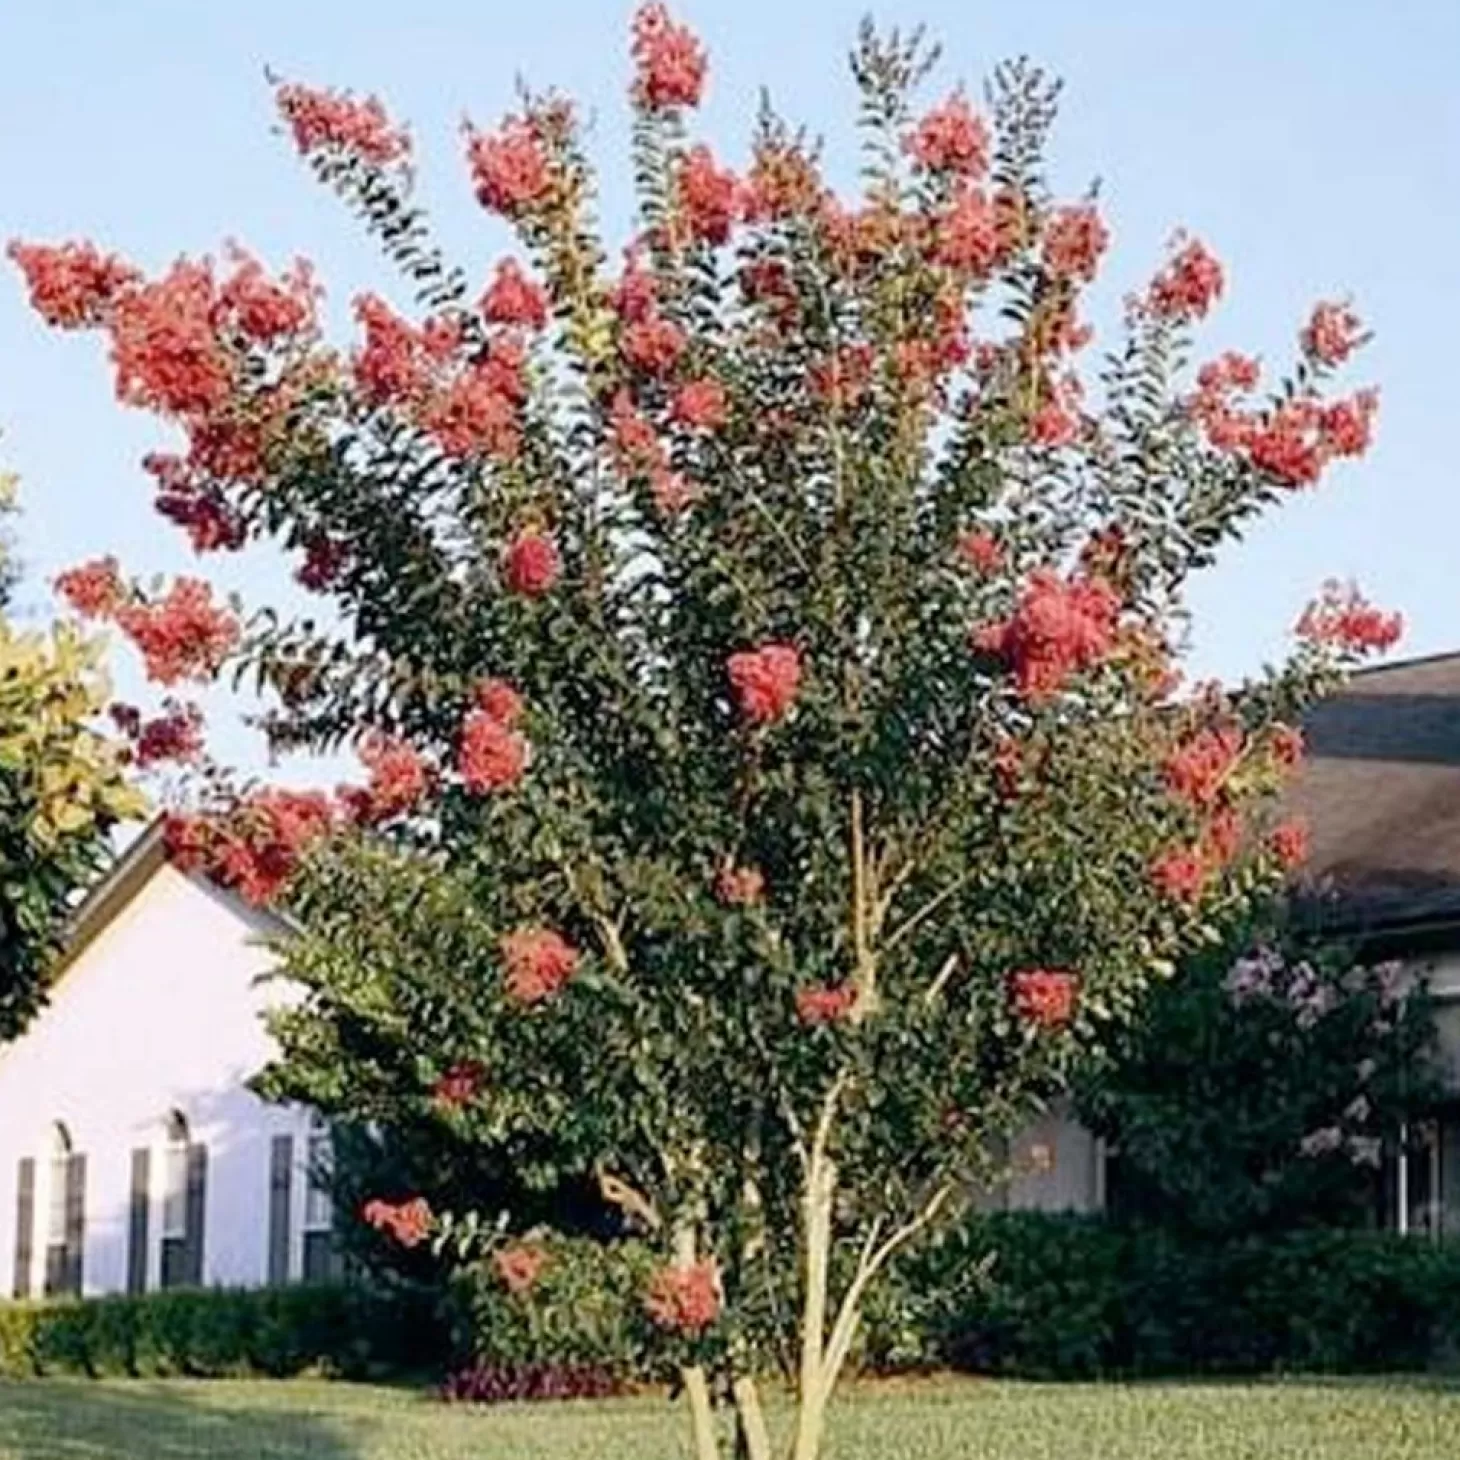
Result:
{"points": [[175, 1173], [65, 1215], [321, 1260]]}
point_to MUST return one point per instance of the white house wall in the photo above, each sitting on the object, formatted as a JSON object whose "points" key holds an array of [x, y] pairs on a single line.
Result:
{"points": [[160, 1012]]}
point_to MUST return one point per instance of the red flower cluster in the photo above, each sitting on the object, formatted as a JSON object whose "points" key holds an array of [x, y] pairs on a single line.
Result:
{"points": [[72, 285], [981, 551], [709, 196], [408, 1222], [519, 1266], [782, 182], [1044, 997], [509, 167], [1344, 619], [1332, 334], [531, 565], [472, 414], [94, 589], [825, 1003], [1289, 843], [174, 735], [256, 848], [459, 1085], [182, 635], [950, 139], [492, 755], [1286, 744], [1197, 769], [513, 298], [1057, 421], [1189, 285], [739, 886], [539, 962], [1074, 240], [398, 780], [337, 120], [394, 364], [653, 344], [700, 404], [765, 681], [264, 311], [324, 558], [1058, 628], [1227, 373], [669, 59], [685, 1299], [1180, 873], [966, 238], [165, 344]]}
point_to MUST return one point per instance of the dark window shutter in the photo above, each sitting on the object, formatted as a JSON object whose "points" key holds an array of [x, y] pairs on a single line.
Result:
{"points": [[137, 1220], [197, 1205], [75, 1224], [24, 1225], [281, 1178]]}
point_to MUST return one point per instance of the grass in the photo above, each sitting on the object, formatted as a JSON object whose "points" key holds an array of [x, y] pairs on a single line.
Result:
{"points": [[933, 1420]]}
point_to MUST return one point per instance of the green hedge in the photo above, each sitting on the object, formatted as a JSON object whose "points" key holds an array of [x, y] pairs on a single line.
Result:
{"points": [[352, 1332], [1024, 1293], [1073, 1297]]}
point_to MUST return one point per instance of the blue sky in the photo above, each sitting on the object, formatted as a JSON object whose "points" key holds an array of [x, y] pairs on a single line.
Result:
{"points": [[1315, 144]]}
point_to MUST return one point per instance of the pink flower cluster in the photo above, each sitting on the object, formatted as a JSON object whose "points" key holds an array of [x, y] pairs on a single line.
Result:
{"points": [[256, 849], [685, 1298], [1188, 286], [708, 196], [531, 565], [1074, 240], [174, 735], [514, 299], [1343, 619], [324, 120], [518, 1267], [398, 780], [1197, 769], [539, 962], [669, 60], [825, 1003], [493, 755], [93, 589], [765, 681], [950, 139], [408, 1222], [510, 168], [72, 285], [460, 1084], [1043, 997], [183, 635], [1332, 334], [1058, 628]]}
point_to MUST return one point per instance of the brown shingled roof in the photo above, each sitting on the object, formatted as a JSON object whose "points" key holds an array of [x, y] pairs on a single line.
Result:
{"points": [[1381, 794]]}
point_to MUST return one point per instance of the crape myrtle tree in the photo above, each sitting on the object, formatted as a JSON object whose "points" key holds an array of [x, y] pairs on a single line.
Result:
{"points": [[762, 652], [64, 786]]}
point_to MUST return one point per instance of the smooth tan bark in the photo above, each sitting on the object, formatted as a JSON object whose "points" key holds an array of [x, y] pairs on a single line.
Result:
{"points": [[755, 1439], [701, 1413]]}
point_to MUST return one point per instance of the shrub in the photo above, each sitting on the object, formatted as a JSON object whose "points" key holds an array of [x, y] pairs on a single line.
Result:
{"points": [[584, 1311], [1054, 1296], [205, 1333]]}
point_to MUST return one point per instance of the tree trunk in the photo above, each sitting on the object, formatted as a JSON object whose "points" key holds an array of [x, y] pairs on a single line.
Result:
{"points": [[696, 1385], [753, 1441], [812, 1396], [701, 1412]]}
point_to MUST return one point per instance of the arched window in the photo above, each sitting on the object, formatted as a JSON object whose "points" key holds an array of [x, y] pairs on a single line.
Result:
{"points": [[184, 1196], [65, 1214], [321, 1262]]}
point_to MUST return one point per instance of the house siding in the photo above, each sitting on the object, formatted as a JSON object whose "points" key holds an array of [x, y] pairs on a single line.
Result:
{"points": [[159, 1012]]}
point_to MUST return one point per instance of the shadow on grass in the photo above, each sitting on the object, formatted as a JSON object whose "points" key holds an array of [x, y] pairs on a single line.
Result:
{"points": [[83, 1420]]}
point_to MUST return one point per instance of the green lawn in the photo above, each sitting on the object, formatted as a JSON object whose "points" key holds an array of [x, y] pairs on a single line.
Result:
{"points": [[944, 1420]]}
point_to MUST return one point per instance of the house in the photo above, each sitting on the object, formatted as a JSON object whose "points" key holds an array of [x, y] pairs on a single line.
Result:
{"points": [[132, 1155], [1380, 791]]}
